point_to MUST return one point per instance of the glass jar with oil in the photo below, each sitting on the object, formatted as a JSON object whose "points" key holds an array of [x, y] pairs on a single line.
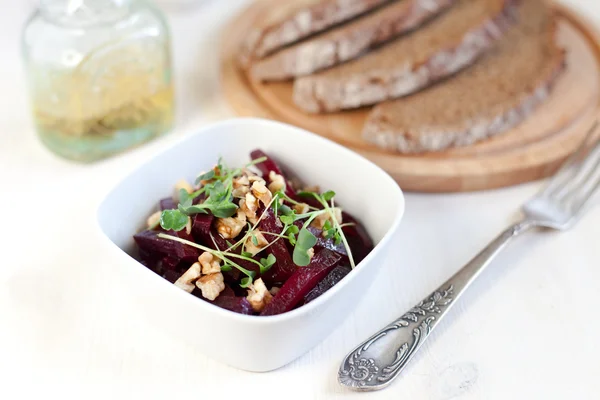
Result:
{"points": [[99, 75]]}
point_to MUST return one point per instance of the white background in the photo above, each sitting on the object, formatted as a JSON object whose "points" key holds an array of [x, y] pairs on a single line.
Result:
{"points": [[529, 327]]}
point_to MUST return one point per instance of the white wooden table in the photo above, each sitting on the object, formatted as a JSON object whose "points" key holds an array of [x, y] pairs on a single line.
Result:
{"points": [[527, 329]]}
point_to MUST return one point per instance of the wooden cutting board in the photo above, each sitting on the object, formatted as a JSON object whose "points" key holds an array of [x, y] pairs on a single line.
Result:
{"points": [[531, 151]]}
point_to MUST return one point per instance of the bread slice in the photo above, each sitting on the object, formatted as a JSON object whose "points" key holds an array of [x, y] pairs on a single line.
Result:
{"points": [[348, 41], [292, 21], [494, 95], [447, 44]]}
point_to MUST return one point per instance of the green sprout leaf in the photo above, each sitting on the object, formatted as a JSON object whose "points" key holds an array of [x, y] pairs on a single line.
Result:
{"points": [[254, 240], [287, 219], [338, 238], [226, 267], [192, 210], [301, 257], [330, 194], [267, 263], [292, 239], [285, 210], [246, 254], [246, 282], [306, 240], [224, 210], [307, 194], [206, 176], [173, 220], [327, 225], [293, 229], [185, 199]]}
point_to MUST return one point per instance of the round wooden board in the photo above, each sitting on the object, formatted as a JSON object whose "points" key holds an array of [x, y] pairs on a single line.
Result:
{"points": [[531, 151]]}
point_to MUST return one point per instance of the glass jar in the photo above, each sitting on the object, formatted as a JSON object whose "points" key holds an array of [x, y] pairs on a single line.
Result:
{"points": [[99, 75]]}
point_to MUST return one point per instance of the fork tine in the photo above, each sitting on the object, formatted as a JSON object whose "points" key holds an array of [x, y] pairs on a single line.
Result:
{"points": [[583, 173], [590, 182], [560, 182]]}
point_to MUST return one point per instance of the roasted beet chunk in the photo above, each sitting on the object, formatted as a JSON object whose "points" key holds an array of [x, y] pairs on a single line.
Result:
{"points": [[201, 228], [150, 243], [330, 281], [269, 165], [239, 305], [228, 300], [323, 243], [301, 282], [284, 267], [168, 204], [358, 239]]}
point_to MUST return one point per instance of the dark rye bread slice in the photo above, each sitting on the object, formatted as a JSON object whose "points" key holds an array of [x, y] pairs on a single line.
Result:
{"points": [[440, 48], [294, 20], [347, 41], [492, 96]]}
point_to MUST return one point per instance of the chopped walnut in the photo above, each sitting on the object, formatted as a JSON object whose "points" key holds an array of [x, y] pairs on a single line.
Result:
{"points": [[256, 178], [258, 295], [188, 226], [274, 290], [210, 264], [249, 206], [277, 182], [260, 191], [211, 285], [231, 227], [254, 249], [154, 220], [313, 189], [337, 213], [241, 186], [248, 172], [320, 220], [301, 208], [311, 252], [182, 184], [186, 281]]}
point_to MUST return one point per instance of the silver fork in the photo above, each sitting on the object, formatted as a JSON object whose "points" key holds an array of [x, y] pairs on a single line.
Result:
{"points": [[375, 363]]}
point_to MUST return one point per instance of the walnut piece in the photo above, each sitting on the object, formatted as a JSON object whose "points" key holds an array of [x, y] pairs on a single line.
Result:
{"points": [[241, 186], [249, 206], [301, 208], [260, 191], [230, 228], [211, 285], [210, 264], [277, 182], [320, 220], [153, 220], [254, 249], [311, 253], [258, 295], [186, 281]]}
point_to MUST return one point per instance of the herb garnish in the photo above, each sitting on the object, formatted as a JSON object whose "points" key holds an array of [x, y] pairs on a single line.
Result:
{"points": [[219, 201]]}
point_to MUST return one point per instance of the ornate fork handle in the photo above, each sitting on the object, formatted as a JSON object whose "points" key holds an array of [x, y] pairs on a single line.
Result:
{"points": [[375, 363]]}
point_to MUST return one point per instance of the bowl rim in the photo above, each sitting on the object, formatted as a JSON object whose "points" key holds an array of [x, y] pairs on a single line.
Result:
{"points": [[305, 309]]}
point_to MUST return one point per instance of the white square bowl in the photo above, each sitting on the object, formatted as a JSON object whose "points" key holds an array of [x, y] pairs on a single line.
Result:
{"points": [[250, 342]]}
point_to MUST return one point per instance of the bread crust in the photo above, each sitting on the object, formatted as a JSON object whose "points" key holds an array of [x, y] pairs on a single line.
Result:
{"points": [[348, 41], [320, 94], [299, 23], [417, 139]]}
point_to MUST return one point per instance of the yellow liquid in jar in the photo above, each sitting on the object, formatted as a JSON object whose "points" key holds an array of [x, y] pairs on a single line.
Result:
{"points": [[115, 97], [152, 111]]}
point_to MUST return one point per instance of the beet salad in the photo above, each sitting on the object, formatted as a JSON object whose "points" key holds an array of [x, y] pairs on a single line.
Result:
{"points": [[252, 240]]}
